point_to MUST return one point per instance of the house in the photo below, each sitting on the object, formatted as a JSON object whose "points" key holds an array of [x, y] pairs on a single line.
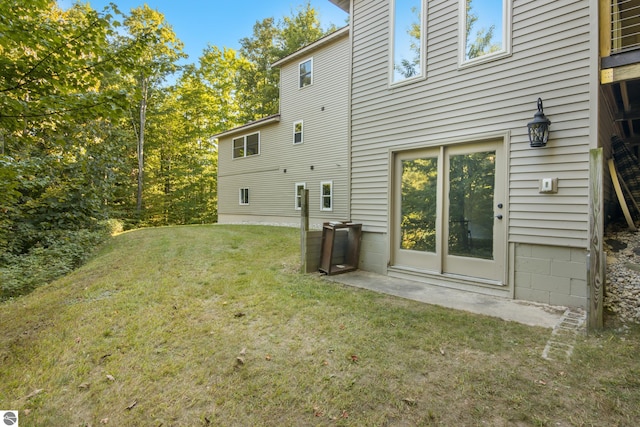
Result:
{"points": [[263, 165], [443, 175], [449, 173]]}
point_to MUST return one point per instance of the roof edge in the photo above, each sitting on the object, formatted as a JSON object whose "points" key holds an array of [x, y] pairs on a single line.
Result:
{"points": [[248, 126], [316, 44], [342, 4]]}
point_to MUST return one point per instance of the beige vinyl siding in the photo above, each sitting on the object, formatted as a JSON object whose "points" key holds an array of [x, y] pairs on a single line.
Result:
{"points": [[272, 175], [323, 106], [550, 59]]}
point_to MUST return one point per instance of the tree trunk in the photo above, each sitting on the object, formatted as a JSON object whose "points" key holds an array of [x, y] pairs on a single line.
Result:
{"points": [[143, 118]]}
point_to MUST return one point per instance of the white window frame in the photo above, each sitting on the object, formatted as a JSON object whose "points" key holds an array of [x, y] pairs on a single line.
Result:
{"points": [[323, 196], [507, 14], [243, 196], [423, 50], [300, 85], [298, 196], [299, 122], [244, 138]]}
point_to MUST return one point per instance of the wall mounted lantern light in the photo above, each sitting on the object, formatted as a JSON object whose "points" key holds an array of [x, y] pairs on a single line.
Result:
{"points": [[539, 128]]}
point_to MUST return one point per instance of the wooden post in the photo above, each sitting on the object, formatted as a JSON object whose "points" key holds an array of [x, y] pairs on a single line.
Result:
{"points": [[304, 228], [596, 257], [605, 28]]}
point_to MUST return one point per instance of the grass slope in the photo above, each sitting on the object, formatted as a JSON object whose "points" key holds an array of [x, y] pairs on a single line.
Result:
{"points": [[212, 325]]}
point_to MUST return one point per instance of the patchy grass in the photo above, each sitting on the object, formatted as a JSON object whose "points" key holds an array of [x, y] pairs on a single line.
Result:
{"points": [[212, 325]]}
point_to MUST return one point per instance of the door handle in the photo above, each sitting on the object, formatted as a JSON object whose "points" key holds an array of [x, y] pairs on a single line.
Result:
{"points": [[499, 216]]}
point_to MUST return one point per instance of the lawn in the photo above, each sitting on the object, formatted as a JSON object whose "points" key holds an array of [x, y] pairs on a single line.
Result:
{"points": [[214, 325]]}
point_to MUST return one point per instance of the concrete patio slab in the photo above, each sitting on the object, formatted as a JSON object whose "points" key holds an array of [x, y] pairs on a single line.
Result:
{"points": [[528, 313]]}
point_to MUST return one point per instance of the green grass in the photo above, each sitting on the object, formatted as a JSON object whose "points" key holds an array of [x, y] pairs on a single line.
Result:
{"points": [[213, 325]]}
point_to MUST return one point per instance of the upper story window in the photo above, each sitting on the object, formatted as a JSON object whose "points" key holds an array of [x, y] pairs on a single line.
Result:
{"points": [[297, 133], [485, 30], [306, 72], [407, 39], [247, 145]]}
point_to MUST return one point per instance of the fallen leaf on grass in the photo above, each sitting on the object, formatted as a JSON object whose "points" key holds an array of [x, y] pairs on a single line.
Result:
{"points": [[541, 382], [268, 357], [132, 405], [239, 314], [110, 377], [239, 361], [84, 386], [104, 421], [243, 352], [354, 358], [344, 414], [442, 351]]}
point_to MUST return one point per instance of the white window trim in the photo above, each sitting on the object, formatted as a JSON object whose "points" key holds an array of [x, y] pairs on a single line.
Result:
{"points": [[507, 14], [240, 198], [298, 197], [244, 137], [301, 132], [423, 46], [322, 196], [312, 73]]}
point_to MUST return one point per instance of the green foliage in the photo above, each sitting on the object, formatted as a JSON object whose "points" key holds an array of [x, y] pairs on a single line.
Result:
{"points": [[55, 254]]}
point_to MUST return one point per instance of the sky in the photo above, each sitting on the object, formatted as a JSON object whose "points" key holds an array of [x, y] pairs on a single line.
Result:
{"points": [[222, 23]]}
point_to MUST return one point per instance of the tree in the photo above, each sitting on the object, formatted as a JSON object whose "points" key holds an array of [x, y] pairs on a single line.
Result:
{"points": [[298, 30], [154, 59], [58, 158], [257, 83]]}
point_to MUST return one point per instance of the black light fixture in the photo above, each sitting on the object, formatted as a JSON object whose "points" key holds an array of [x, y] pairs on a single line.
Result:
{"points": [[539, 128]]}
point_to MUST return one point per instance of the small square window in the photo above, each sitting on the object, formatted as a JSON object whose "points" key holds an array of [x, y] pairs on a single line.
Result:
{"points": [[326, 199], [244, 196], [306, 73], [297, 133]]}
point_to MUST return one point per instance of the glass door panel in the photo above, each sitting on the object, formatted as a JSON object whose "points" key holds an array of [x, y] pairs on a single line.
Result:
{"points": [[471, 188], [418, 205], [474, 231], [416, 210]]}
